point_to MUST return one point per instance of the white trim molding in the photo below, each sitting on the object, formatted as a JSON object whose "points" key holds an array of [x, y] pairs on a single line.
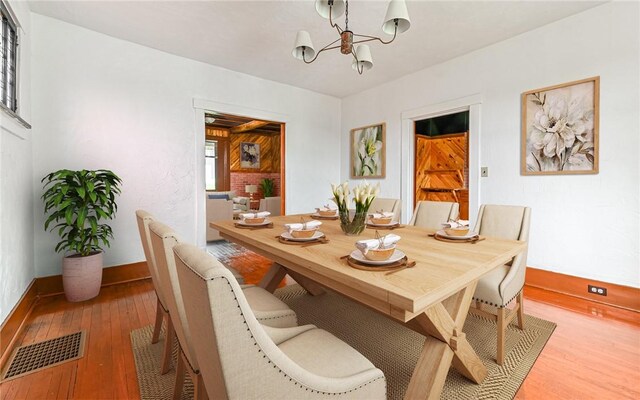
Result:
{"points": [[470, 103], [200, 107]]}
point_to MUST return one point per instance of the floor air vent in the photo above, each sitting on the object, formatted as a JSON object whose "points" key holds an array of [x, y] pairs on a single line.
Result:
{"points": [[36, 356]]}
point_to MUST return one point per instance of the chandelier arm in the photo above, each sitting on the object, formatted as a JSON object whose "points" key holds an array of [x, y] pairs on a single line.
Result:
{"points": [[360, 70], [327, 47], [332, 24], [370, 38]]}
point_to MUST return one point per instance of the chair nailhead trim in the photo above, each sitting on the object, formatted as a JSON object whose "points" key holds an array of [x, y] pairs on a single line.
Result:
{"points": [[497, 305]]}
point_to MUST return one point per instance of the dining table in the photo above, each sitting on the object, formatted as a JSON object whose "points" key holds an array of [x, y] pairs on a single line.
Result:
{"points": [[431, 297]]}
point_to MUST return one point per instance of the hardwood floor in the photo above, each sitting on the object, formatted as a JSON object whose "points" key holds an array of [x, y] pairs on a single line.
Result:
{"points": [[593, 354]]}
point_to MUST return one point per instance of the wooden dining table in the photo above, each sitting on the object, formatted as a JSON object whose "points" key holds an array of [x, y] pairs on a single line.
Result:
{"points": [[433, 297]]}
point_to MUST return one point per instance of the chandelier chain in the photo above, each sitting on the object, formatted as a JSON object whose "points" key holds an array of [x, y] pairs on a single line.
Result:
{"points": [[346, 17]]}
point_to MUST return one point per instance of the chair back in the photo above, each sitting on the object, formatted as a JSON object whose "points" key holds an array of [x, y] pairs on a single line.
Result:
{"points": [[163, 239], [388, 205], [507, 222], [144, 219], [271, 204], [432, 214]]}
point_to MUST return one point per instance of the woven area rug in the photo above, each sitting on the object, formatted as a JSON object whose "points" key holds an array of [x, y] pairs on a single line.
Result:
{"points": [[391, 347]]}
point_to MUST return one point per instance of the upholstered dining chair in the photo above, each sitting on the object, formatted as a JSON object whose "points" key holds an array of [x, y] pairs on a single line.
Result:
{"points": [[271, 310], [432, 214], [246, 360], [504, 284], [162, 312], [388, 205], [271, 204]]}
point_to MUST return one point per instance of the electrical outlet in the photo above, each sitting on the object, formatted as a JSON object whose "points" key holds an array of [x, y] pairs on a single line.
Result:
{"points": [[597, 290], [484, 172]]}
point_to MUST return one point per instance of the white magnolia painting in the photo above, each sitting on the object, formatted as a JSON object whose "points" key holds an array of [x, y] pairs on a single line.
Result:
{"points": [[367, 151], [560, 129]]}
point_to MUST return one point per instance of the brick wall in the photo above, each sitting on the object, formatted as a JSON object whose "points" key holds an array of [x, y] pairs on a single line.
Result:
{"points": [[240, 179]]}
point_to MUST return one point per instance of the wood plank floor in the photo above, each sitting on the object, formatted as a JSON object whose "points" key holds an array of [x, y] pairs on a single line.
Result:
{"points": [[593, 354]]}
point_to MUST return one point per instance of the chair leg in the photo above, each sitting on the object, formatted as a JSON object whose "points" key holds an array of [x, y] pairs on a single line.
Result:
{"points": [[199, 391], [520, 303], [501, 334], [181, 370], [168, 347], [158, 325]]}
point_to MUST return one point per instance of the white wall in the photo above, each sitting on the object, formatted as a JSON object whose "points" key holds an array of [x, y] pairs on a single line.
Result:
{"points": [[16, 174], [587, 225], [101, 102]]}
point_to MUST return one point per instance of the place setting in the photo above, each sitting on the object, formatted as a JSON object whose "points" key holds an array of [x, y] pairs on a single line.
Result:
{"points": [[379, 254], [382, 220], [254, 220], [457, 231], [303, 234], [325, 212]]}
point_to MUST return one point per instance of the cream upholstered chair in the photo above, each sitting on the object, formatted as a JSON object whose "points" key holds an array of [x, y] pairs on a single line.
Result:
{"points": [[271, 204], [246, 360], [162, 312], [389, 205], [503, 284], [271, 310], [432, 214]]}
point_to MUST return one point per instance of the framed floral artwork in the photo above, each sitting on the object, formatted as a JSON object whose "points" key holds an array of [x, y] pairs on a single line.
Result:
{"points": [[249, 155], [368, 151], [560, 129]]}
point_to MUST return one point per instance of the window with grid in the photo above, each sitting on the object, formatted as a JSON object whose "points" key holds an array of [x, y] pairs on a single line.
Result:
{"points": [[8, 60]]}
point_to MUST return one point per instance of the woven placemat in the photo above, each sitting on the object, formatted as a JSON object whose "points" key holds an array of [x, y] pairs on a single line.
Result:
{"points": [[388, 345]]}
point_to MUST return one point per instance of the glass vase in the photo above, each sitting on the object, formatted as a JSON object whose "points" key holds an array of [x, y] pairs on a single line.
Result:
{"points": [[352, 223]]}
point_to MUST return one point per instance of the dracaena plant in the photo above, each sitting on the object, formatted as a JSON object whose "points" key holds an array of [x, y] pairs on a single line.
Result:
{"points": [[76, 203]]}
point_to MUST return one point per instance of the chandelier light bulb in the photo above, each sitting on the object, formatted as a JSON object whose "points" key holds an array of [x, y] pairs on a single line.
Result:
{"points": [[303, 46], [396, 12], [364, 61], [323, 7]]}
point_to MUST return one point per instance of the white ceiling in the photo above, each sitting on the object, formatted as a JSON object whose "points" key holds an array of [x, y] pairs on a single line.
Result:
{"points": [[256, 37]]}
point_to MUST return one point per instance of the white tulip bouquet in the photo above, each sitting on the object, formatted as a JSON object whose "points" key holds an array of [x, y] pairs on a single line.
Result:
{"points": [[363, 195]]}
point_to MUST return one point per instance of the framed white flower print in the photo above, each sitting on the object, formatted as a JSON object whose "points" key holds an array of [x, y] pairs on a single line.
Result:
{"points": [[368, 151], [560, 128]]}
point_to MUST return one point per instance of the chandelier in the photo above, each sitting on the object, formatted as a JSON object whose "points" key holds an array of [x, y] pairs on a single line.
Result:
{"points": [[395, 21]]}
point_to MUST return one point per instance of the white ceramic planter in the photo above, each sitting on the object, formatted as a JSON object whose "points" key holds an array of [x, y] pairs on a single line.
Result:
{"points": [[82, 277]]}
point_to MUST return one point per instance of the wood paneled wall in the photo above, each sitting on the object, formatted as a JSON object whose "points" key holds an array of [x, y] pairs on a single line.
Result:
{"points": [[269, 152]]}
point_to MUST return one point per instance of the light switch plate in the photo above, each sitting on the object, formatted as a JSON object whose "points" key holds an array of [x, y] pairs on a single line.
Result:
{"points": [[484, 172]]}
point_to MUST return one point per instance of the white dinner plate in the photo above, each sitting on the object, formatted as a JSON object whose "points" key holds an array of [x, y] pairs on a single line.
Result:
{"points": [[390, 224], [358, 256], [265, 222], [469, 235], [316, 235]]}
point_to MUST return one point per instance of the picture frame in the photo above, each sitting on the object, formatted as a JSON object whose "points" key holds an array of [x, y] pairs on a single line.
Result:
{"points": [[367, 151], [559, 129], [249, 155]]}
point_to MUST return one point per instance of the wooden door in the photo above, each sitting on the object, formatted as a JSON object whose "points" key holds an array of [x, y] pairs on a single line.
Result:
{"points": [[441, 170]]}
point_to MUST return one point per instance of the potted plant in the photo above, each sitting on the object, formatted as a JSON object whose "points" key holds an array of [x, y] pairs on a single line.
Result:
{"points": [[268, 187], [76, 202]]}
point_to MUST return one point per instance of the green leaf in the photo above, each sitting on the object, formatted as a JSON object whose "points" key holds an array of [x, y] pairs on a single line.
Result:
{"points": [[81, 192]]}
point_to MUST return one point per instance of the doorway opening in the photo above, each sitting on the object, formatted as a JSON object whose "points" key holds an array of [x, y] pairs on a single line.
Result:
{"points": [[441, 154], [244, 167]]}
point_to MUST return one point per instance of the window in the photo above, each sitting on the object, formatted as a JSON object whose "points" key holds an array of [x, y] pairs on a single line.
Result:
{"points": [[211, 159], [8, 60]]}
